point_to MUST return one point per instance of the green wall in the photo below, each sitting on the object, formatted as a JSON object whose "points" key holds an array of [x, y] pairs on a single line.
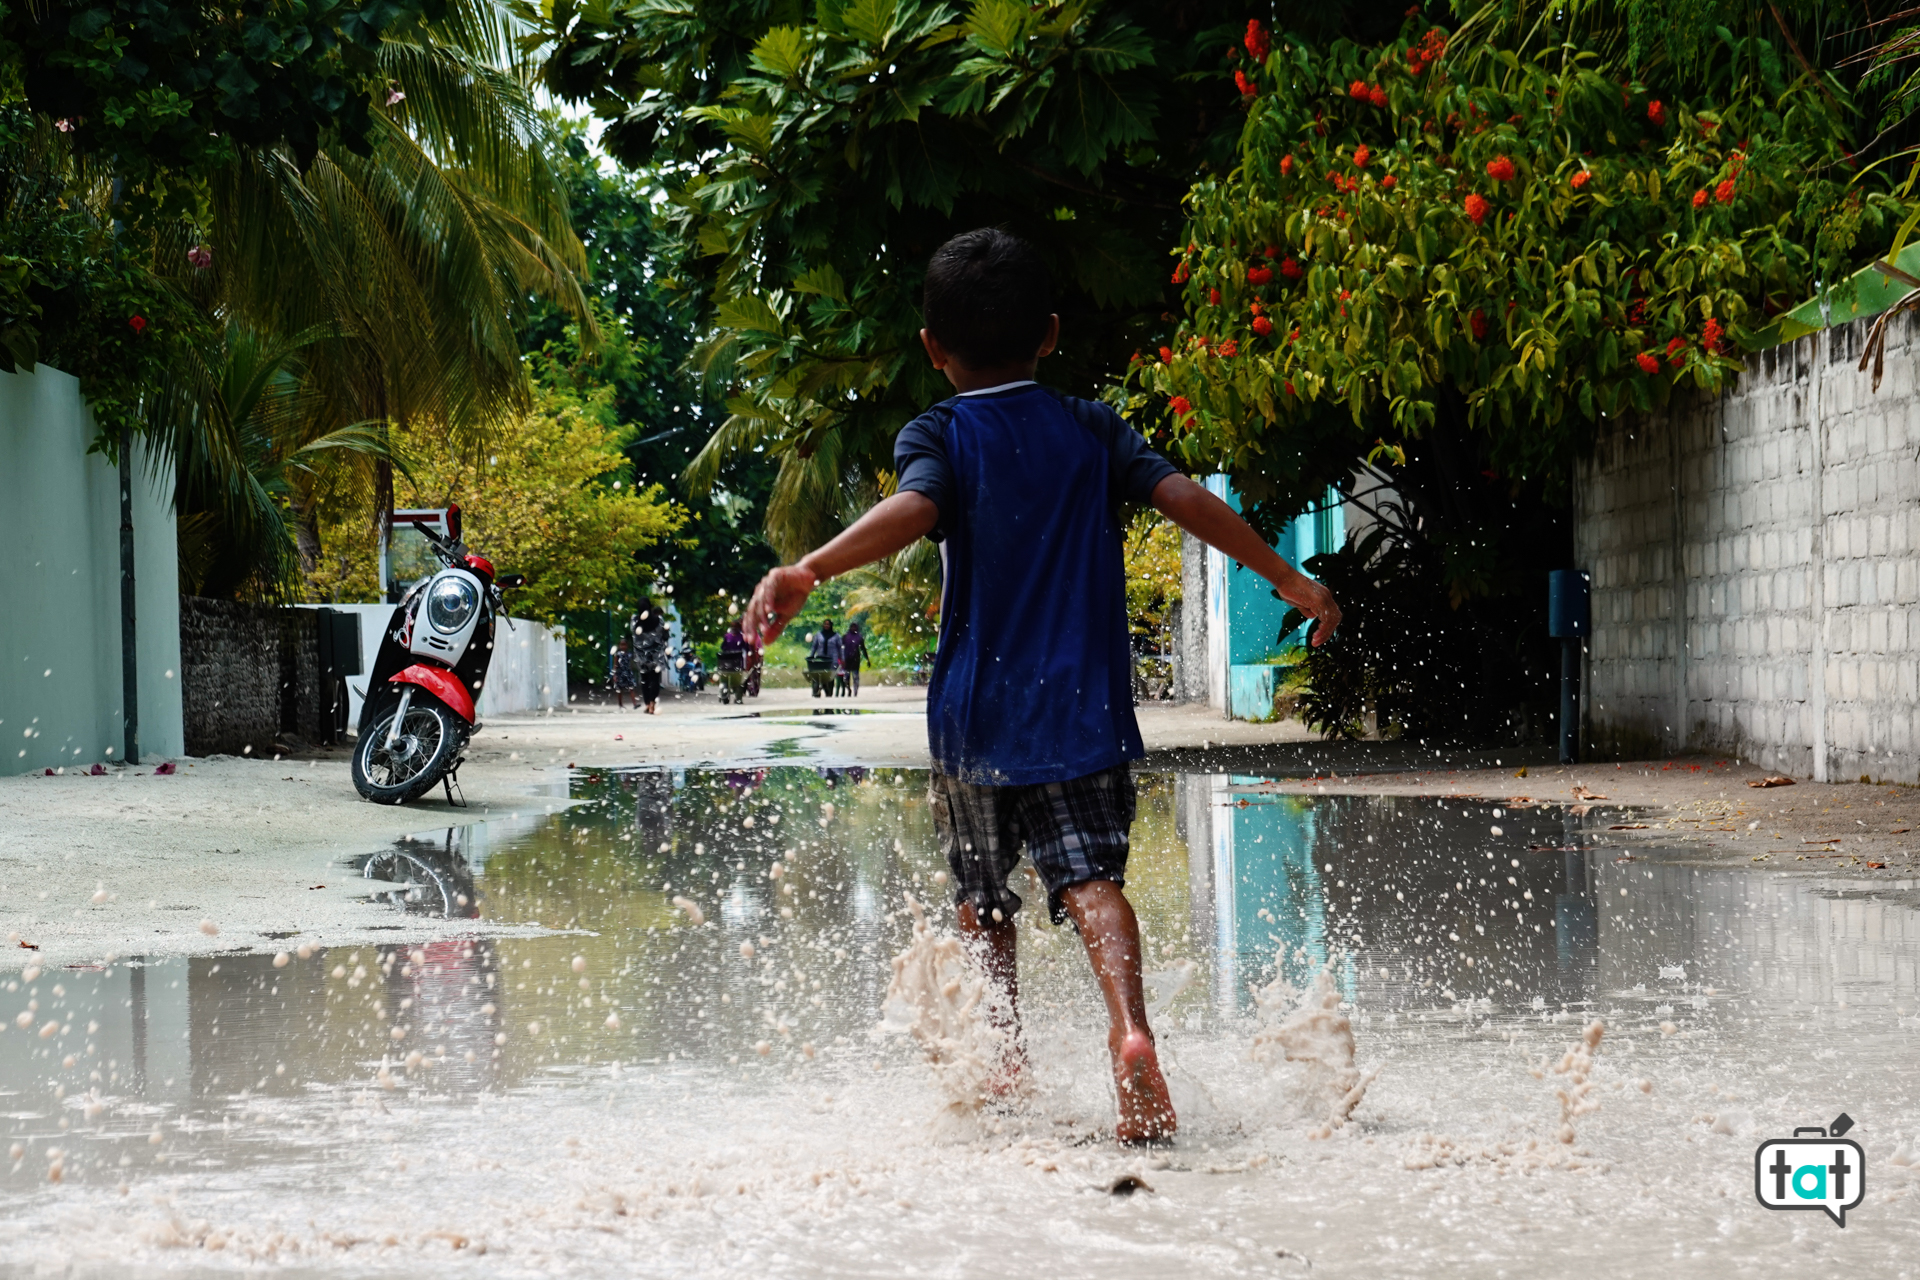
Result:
{"points": [[60, 681]]}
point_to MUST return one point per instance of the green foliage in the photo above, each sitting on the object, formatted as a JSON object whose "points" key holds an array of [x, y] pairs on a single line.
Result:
{"points": [[898, 598], [647, 335], [1519, 234], [814, 157], [1401, 652], [73, 295], [1153, 575], [234, 413], [551, 497], [170, 92]]}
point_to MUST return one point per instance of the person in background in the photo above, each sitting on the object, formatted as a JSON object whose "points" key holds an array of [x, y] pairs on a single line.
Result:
{"points": [[650, 653], [836, 654], [853, 652], [625, 676], [820, 659], [733, 664]]}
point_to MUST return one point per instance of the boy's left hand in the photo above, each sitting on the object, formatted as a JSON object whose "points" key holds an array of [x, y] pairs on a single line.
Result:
{"points": [[1317, 603], [780, 595]]}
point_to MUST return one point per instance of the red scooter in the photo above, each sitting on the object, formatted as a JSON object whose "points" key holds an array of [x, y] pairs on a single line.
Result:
{"points": [[418, 715]]}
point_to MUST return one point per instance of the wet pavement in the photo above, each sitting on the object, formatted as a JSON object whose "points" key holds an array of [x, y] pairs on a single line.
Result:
{"points": [[689, 1076]]}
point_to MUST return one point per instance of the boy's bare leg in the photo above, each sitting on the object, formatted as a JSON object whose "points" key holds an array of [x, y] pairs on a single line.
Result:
{"points": [[1112, 936], [999, 949]]}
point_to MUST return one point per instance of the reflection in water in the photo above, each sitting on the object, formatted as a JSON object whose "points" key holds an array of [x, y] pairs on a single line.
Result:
{"points": [[1441, 919]]}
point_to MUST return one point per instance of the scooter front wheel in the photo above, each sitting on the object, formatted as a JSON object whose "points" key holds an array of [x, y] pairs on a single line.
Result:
{"points": [[424, 748]]}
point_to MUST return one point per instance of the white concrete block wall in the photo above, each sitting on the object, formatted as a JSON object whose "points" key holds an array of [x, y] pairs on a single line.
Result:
{"points": [[1756, 589], [528, 671]]}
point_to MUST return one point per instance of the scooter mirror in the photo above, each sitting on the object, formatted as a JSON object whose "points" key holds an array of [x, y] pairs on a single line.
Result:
{"points": [[453, 521], [506, 580]]}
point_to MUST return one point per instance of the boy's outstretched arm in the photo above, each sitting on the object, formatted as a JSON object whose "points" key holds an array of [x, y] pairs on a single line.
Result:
{"points": [[886, 528], [1218, 525]]}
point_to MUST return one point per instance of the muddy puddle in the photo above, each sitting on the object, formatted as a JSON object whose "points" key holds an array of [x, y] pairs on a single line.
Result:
{"points": [[691, 1078]]}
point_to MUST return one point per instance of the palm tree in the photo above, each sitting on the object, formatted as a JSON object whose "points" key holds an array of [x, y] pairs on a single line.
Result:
{"points": [[401, 271], [236, 416]]}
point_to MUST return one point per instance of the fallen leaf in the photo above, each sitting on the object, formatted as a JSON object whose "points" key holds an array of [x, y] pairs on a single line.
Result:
{"points": [[312, 887], [31, 946], [1776, 780], [163, 770], [1628, 826], [1579, 810], [1581, 793], [1521, 772], [1878, 866], [1898, 831]]}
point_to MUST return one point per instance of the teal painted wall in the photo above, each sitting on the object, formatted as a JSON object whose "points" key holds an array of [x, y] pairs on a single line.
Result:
{"points": [[1253, 613], [60, 682], [1244, 616]]}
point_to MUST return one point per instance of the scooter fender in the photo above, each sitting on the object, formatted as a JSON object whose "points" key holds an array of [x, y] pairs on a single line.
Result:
{"points": [[442, 684]]}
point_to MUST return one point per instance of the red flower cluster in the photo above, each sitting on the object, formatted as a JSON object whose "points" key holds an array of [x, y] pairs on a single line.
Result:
{"points": [[1377, 96], [1166, 355], [1359, 92], [1247, 87], [1181, 406], [1648, 362], [1288, 384], [1478, 323], [1258, 43], [1426, 53], [1361, 154], [1213, 297], [1180, 274], [1581, 179], [1286, 165], [1700, 198], [1477, 207], [1291, 270], [1387, 183], [1657, 112], [137, 323], [1677, 351], [1262, 326], [1229, 349], [1260, 275], [1710, 337], [1724, 192], [1500, 169]]}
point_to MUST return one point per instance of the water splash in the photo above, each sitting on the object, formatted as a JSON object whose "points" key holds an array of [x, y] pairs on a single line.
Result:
{"points": [[940, 996], [1315, 1034], [1164, 986]]}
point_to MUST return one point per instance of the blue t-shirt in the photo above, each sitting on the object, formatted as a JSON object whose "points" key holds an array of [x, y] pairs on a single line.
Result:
{"points": [[1034, 678]]}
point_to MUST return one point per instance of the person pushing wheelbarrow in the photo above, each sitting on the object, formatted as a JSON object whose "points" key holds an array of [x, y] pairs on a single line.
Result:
{"points": [[733, 666]]}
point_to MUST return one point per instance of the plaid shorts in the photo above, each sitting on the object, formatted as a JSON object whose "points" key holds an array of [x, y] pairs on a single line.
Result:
{"points": [[1074, 831]]}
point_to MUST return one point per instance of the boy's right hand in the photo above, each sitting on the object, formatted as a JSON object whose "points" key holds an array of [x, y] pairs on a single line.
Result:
{"points": [[780, 595]]}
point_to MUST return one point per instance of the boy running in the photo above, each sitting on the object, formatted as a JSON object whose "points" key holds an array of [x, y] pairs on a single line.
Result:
{"points": [[1030, 710]]}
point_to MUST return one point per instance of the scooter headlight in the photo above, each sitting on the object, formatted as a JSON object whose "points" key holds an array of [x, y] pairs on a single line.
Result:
{"points": [[451, 603]]}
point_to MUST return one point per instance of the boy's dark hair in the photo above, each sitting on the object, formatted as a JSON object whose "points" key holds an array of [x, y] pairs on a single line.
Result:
{"points": [[988, 298]]}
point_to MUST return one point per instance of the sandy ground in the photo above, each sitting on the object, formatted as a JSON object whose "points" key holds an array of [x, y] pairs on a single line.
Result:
{"points": [[240, 853]]}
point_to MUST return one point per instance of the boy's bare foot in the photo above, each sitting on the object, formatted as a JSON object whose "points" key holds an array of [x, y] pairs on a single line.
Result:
{"points": [[1146, 1110]]}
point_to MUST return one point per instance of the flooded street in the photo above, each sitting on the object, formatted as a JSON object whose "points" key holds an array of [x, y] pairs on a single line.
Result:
{"points": [[691, 1075]]}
